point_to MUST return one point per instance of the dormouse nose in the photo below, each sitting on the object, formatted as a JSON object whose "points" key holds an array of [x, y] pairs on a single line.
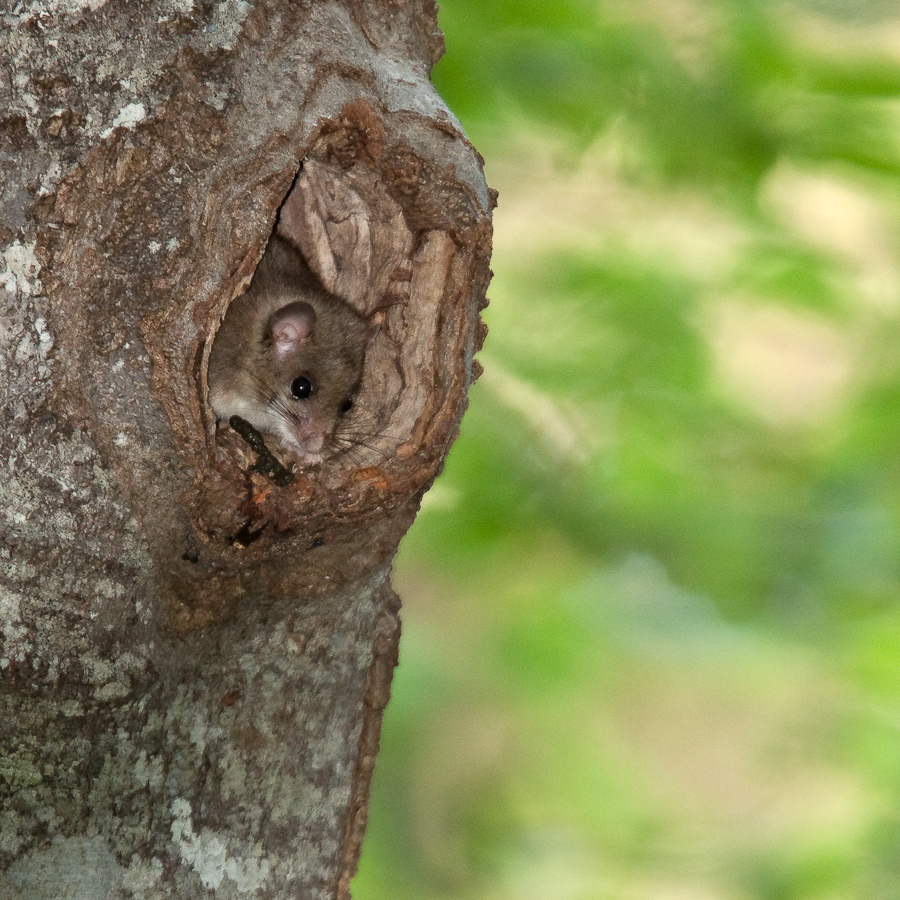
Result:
{"points": [[311, 437]]}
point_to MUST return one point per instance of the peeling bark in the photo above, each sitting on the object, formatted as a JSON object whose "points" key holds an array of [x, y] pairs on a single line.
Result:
{"points": [[194, 661]]}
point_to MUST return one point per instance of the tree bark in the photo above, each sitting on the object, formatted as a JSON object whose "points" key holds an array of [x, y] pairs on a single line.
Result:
{"points": [[194, 660]]}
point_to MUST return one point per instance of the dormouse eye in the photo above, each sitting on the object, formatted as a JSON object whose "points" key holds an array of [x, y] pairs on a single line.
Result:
{"points": [[301, 388], [347, 405]]}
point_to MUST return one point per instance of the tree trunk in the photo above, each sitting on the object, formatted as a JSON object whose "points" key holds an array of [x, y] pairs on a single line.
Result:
{"points": [[194, 658]]}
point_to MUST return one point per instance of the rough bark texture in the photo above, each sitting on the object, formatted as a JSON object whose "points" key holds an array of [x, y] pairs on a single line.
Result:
{"points": [[193, 660]]}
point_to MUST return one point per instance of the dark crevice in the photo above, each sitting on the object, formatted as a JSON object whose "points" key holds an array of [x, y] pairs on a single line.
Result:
{"points": [[247, 535]]}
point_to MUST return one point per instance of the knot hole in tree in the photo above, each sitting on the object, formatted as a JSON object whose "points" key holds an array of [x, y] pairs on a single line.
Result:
{"points": [[335, 368]]}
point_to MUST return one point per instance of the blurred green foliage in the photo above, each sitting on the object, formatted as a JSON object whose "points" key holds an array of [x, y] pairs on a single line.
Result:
{"points": [[652, 630]]}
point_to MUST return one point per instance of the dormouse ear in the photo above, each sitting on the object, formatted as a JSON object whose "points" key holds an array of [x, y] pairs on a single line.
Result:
{"points": [[291, 326]]}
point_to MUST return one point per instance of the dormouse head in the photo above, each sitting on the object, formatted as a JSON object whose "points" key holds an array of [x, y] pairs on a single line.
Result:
{"points": [[317, 356]]}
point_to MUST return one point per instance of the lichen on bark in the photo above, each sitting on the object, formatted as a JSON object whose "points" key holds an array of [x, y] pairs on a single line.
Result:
{"points": [[194, 661]]}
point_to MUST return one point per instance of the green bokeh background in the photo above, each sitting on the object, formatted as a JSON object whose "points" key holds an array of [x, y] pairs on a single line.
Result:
{"points": [[651, 630]]}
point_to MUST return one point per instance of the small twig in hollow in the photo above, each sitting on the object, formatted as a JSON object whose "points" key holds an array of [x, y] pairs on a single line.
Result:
{"points": [[266, 464]]}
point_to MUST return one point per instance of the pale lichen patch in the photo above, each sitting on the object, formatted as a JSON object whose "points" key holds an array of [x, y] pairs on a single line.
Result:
{"points": [[73, 6], [207, 854], [225, 27], [50, 179], [71, 708], [13, 632], [142, 876], [77, 868], [148, 771], [45, 339], [127, 117], [21, 269], [10, 836], [19, 768]]}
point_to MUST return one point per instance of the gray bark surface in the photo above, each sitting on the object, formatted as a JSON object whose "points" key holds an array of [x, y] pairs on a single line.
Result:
{"points": [[194, 661]]}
